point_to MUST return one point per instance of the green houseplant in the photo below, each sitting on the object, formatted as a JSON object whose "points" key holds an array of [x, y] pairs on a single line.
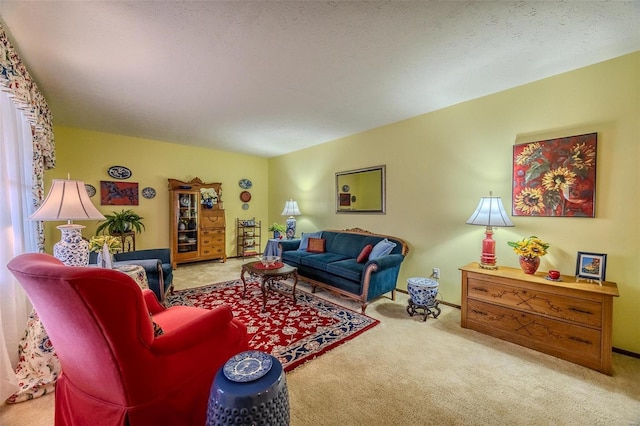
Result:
{"points": [[277, 229], [121, 222]]}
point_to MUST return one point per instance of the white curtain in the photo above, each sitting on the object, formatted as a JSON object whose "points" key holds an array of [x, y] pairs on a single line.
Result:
{"points": [[17, 234]]}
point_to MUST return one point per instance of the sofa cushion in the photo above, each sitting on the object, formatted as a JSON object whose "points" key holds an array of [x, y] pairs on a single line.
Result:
{"points": [[321, 260], [364, 254], [304, 243], [348, 268], [383, 248], [316, 245], [295, 256]]}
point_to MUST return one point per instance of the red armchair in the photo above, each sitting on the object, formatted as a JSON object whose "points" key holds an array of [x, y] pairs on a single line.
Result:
{"points": [[114, 371]]}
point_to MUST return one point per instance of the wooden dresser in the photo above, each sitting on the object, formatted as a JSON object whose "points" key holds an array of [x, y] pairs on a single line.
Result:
{"points": [[566, 319]]}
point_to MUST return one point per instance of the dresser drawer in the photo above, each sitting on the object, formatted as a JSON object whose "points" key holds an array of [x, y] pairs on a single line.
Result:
{"points": [[533, 330], [214, 250], [209, 238], [572, 309]]}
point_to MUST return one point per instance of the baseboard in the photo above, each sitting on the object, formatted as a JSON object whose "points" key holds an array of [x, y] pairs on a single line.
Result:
{"points": [[625, 352]]}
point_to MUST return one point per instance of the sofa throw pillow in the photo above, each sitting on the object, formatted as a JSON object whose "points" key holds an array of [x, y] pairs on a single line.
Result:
{"points": [[364, 254], [383, 248], [304, 243], [316, 245]]}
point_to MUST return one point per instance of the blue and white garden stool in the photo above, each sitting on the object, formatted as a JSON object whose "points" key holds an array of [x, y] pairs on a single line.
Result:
{"points": [[250, 389], [422, 293]]}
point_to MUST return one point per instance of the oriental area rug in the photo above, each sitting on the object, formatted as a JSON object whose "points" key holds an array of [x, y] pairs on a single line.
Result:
{"points": [[292, 333]]}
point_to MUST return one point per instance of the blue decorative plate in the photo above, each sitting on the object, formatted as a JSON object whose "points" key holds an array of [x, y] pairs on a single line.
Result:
{"points": [[245, 184], [148, 192], [245, 206], [247, 366], [119, 172], [91, 190]]}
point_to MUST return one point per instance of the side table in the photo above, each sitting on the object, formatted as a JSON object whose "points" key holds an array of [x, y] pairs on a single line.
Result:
{"points": [[136, 272], [272, 249]]}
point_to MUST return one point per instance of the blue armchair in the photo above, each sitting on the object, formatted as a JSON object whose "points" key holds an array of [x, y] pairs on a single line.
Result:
{"points": [[161, 281], [156, 263]]}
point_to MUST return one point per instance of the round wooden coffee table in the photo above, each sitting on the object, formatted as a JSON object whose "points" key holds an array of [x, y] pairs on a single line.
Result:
{"points": [[268, 275]]}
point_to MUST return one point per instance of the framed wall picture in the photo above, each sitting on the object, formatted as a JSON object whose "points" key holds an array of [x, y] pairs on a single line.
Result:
{"points": [[345, 200], [591, 266], [555, 177], [118, 193]]}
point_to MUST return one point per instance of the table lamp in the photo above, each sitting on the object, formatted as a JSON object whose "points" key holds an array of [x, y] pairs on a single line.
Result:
{"points": [[291, 209], [68, 200], [490, 213]]}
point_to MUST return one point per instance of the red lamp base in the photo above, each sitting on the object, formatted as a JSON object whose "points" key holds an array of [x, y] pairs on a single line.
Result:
{"points": [[488, 257]]}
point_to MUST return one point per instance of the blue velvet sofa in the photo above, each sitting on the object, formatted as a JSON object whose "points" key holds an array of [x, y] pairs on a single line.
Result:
{"points": [[156, 264], [337, 268]]}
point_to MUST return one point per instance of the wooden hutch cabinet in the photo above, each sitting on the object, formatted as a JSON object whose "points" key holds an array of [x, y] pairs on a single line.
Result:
{"points": [[197, 227]]}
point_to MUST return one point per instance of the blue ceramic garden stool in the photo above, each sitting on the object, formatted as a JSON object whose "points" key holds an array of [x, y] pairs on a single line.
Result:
{"points": [[250, 389], [422, 293]]}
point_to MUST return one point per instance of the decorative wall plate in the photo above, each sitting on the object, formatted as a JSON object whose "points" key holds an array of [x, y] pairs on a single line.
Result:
{"points": [[245, 184], [345, 188], [91, 190], [245, 206], [148, 192], [247, 366], [245, 196], [184, 201], [119, 172]]}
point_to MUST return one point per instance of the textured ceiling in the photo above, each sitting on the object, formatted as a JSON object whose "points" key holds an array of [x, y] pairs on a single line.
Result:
{"points": [[268, 78]]}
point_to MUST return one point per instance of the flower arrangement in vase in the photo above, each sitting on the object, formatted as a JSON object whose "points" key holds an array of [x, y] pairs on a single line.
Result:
{"points": [[277, 230], [529, 250], [99, 242], [209, 197]]}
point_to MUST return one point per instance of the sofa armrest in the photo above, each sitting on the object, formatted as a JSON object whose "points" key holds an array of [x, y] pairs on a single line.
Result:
{"points": [[386, 262], [286, 245], [153, 306], [164, 254]]}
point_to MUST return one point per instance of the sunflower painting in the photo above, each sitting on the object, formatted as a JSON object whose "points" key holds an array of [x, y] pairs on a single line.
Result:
{"points": [[556, 177]]}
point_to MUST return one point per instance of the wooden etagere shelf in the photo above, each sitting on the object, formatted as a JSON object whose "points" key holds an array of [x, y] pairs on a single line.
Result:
{"points": [[249, 237]]}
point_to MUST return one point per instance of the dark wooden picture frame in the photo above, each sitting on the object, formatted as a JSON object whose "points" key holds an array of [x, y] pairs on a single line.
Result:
{"points": [[591, 266], [555, 177]]}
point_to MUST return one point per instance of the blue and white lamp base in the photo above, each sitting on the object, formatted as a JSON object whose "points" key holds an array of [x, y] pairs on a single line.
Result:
{"points": [[72, 249], [291, 228]]}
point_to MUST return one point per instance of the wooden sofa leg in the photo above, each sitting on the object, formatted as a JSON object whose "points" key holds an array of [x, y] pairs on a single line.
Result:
{"points": [[393, 295]]}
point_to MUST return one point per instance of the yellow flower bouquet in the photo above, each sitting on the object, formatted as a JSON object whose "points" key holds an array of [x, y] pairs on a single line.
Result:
{"points": [[530, 247], [113, 243]]}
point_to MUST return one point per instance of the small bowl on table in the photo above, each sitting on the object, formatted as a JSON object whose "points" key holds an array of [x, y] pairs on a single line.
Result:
{"points": [[269, 261]]}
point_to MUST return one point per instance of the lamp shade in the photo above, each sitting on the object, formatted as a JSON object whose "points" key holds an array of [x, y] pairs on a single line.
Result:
{"points": [[291, 209], [490, 212], [67, 200]]}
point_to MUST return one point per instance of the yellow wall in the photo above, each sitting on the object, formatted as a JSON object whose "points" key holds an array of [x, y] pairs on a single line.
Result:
{"points": [[88, 155], [440, 164]]}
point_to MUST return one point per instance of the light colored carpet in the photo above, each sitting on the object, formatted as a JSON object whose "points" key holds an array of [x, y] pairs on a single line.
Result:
{"points": [[407, 372]]}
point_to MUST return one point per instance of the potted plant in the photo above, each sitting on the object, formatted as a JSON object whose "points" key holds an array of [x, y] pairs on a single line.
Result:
{"points": [[277, 229], [121, 222]]}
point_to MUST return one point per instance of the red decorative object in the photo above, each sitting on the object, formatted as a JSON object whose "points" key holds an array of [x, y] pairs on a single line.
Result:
{"points": [[529, 265], [276, 265], [292, 333], [555, 177]]}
